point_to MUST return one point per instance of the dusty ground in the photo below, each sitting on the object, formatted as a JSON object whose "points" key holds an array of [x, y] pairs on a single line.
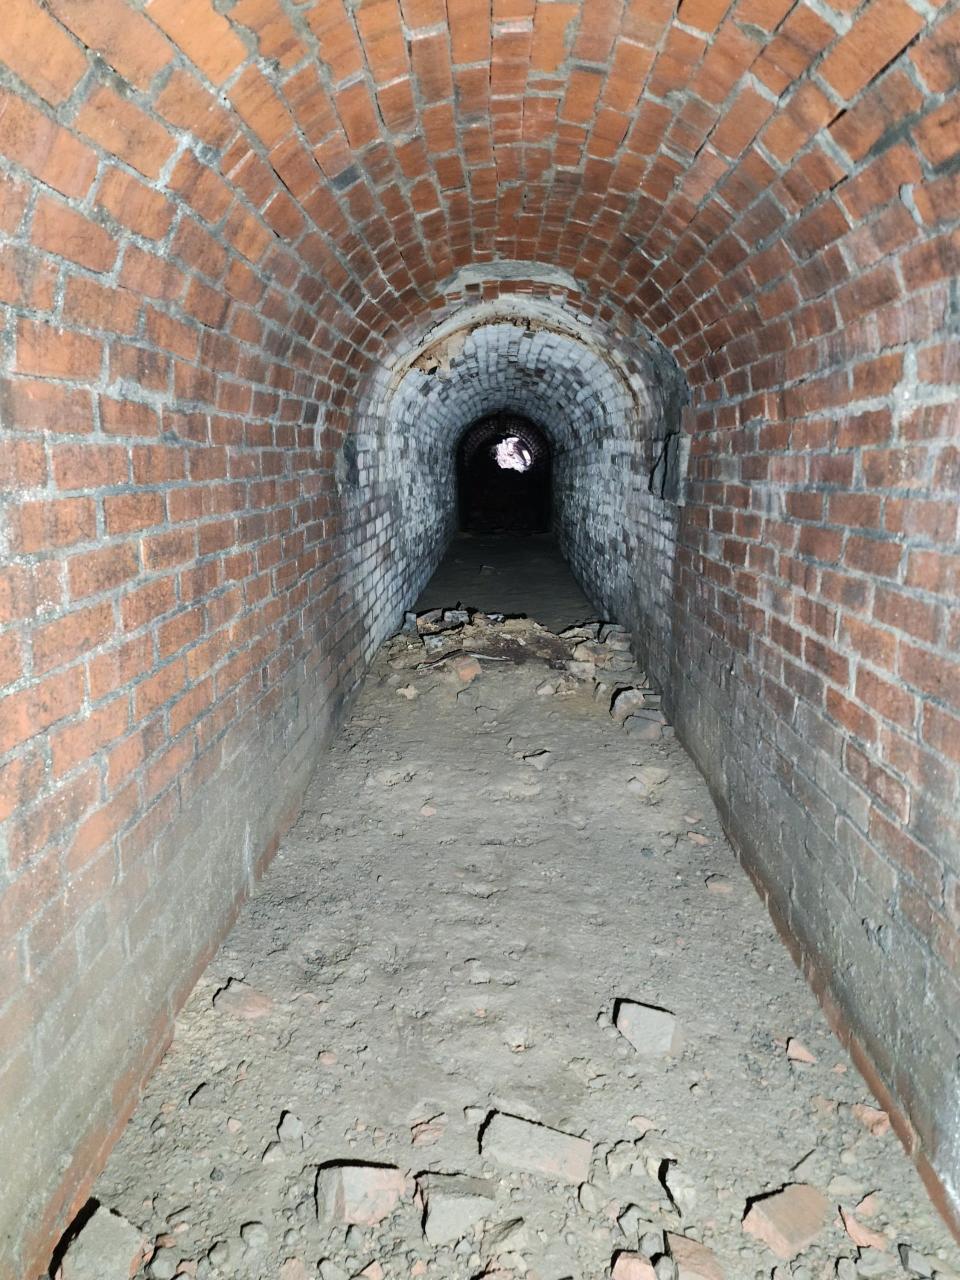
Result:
{"points": [[510, 575], [444, 934]]}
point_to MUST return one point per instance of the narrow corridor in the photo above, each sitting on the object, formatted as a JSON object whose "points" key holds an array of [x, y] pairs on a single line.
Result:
{"points": [[485, 866]]}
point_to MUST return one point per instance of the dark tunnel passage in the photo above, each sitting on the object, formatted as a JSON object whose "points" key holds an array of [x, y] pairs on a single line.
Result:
{"points": [[503, 477]]}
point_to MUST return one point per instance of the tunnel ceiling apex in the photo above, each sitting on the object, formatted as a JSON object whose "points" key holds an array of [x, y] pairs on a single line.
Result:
{"points": [[735, 176]]}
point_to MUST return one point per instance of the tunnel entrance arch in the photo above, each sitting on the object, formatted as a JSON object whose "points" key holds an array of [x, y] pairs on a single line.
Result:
{"points": [[504, 476]]}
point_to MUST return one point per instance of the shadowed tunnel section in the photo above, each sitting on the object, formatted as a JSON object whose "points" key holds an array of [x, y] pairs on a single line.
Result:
{"points": [[262, 264], [503, 477]]}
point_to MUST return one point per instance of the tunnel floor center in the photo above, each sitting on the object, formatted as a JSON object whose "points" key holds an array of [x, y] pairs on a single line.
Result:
{"points": [[488, 873]]}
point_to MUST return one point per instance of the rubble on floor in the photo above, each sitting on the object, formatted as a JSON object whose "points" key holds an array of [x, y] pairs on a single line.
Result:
{"points": [[506, 1006]]}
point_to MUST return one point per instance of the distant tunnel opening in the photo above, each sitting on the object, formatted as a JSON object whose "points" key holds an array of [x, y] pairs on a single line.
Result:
{"points": [[503, 477]]}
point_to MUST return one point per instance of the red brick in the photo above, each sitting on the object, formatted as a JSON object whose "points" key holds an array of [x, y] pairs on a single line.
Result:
{"points": [[23, 465], [935, 56], [39, 51], [147, 603], [931, 673], [90, 305], [89, 466], [125, 131], [941, 731], [128, 512], [57, 353], [186, 103], [873, 555], [890, 701], [128, 418], [135, 205], [70, 637], [119, 34], [203, 190], [157, 689], [101, 827], [11, 659], [102, 570], [880, 32], [25, 714], [79, 742], [938, 134], [53, 155], [203, 34], [110, 671], [71, 235], [60, 523], [30, 405]]}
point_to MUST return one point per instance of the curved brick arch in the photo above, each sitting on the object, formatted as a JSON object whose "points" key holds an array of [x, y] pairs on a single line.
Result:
{"points": [[220, 231], [486, 433]]}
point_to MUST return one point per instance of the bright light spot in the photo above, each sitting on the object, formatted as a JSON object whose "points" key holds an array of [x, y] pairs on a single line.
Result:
{"points": [[513, 455]]}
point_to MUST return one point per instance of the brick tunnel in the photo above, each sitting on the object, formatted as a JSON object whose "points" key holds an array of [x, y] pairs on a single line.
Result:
{"points": [[264, 262]]}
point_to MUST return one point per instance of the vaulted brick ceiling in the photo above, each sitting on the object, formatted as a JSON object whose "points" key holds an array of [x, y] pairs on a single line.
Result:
{"points": [[742, 178]]}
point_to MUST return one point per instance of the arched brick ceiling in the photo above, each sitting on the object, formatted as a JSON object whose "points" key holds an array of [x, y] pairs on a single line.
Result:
{"points": [[714, 171]]}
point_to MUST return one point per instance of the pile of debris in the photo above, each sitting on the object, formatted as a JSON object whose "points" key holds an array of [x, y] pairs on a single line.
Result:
{"points": [[592, 656]]}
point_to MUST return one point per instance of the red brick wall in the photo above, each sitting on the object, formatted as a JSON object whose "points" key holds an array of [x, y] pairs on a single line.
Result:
{"points": [[213, 230]]}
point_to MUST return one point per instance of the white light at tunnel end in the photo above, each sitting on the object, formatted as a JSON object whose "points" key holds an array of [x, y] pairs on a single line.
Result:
{"points": [[513, 455]]}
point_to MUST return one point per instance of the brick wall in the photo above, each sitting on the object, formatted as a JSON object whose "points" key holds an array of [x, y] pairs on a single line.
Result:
{"points": [[603, 415], [220, 232]]}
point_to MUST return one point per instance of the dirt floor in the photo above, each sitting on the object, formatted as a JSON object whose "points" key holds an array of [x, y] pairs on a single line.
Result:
{"points": [[485, 866], [524, 575]]}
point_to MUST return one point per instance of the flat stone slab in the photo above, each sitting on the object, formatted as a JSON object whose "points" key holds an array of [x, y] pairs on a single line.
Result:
{"points": [[358, 1194], [452, 1204], [653, 1032], [788, 1220], [107, 1247], [535, 1148]]}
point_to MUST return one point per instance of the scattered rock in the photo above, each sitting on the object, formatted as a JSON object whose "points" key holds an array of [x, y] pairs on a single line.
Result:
{"points": [[254, 1235], [294, 1269], [652, 1031], [643, 727], [581, 670], [862, 1236], [452, 1204], [535, 1148], [290, 1131], [164, 1264], [875, 1121], [242, 1001], [717, 883], [788, 1220], [914, 1263], [465, 667], [679, 1188], [506, 1237], [626, 703], [590, 1199], [874, 1262], [330, 1271], [107, 1246], [797, 1051], [424, 1133], [539, 760], [359, 1194], [632, 1266], [693, 1260]]}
